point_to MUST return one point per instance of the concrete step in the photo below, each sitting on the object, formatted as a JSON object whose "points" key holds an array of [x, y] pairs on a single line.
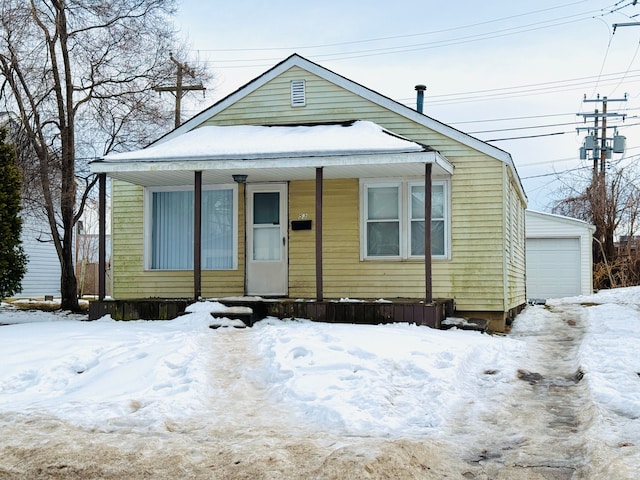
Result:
{"points": [[236, 317], [475, 324]]}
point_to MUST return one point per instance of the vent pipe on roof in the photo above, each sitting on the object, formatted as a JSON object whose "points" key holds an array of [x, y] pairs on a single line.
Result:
{"points": [[420, 99]]}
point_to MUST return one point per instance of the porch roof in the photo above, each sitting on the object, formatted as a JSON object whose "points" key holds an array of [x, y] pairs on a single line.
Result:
{"points": [[355, 149]]}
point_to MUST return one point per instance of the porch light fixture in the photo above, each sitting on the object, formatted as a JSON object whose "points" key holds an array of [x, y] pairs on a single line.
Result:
{"points": [[238, 178]]}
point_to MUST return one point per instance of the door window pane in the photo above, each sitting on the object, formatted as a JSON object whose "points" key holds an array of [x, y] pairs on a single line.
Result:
{"points": [[266, 226], [266, 208], [266, 243]]}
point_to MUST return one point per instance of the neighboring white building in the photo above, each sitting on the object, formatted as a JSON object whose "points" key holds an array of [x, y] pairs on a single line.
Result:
{"points": [[559, 256], [43, 268]]}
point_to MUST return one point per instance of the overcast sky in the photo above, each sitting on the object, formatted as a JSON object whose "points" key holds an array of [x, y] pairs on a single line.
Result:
{"points": [[494, 69]]}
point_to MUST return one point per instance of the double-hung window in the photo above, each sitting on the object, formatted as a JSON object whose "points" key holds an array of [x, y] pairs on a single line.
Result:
{"points": [[393, 219], [383, 212], [170, 222]]}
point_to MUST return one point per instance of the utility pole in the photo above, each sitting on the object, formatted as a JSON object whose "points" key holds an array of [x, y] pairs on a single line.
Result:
{"points": [[600, 148], [628, 24], [597, 143], [179, 90]]}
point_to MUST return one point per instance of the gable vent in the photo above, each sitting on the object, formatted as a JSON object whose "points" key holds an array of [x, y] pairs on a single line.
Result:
{"points": [[298, 97]]}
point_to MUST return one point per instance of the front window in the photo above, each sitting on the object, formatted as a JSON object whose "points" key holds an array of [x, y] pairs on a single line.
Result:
{"points": [[394, 220], [170, 244], [383, 221]]}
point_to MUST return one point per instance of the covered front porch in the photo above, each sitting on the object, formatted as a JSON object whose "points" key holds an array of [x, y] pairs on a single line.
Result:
{"points": [[257, 157]]}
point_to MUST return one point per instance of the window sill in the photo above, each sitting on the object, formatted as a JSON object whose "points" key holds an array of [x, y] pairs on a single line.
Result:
{"points": [[404, 260]]}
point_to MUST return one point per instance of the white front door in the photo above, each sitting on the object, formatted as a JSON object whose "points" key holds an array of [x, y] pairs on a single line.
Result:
{"points": [[267, 259]]}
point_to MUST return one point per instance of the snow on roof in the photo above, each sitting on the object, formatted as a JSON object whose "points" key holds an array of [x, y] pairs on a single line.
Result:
{"points": [[252, 141]]}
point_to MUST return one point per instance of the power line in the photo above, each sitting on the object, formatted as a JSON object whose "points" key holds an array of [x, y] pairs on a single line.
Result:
{"points": [[555, 173], [549, 125], [524, 128], [507, 95], [486, 120], [531, 86], [526, 136], [619, 126], [418, 46], [569, 170], [394, 37], [545, 162]]}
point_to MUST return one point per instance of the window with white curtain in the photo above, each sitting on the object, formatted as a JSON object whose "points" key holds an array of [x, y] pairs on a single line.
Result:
{"points": [[393, 219], [170, 221]]}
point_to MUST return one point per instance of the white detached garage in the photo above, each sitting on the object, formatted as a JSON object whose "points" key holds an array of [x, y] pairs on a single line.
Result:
{"points": [[559, 257]]}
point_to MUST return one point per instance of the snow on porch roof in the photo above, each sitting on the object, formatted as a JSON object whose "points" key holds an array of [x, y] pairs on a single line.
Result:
{"points": [[285, 141], [355, 149]]}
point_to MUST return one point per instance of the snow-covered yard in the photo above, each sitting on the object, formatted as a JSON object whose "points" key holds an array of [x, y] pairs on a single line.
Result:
{"points": [[297, 399]]}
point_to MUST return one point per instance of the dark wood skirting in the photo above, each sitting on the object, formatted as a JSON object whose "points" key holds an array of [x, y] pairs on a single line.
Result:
{"points": [[370, 313], [365, 312], [138, 309]]}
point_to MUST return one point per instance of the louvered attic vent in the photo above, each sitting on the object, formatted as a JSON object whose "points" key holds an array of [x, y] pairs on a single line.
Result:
{"points": [[298, 97]]}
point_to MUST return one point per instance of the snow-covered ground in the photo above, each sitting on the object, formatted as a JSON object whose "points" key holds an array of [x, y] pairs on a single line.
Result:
{"points": [[331, 382]]}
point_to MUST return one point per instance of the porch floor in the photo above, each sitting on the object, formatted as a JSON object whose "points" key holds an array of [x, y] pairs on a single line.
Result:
{"points": [[370, 312]]}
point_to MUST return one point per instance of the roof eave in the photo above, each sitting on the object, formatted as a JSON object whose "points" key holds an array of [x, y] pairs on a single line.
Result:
{"points": [[261, 162]]}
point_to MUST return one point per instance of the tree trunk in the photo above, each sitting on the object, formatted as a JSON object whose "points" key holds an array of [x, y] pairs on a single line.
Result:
{"points": [[80, 75], [68, 282]]}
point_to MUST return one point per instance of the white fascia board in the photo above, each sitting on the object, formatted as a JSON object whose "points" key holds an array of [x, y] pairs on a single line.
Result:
{"points": [[199, 164]]}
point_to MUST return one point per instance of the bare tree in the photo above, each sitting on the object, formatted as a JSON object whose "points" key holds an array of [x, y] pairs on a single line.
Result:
{"points": [[611, 203], [79, 74]]}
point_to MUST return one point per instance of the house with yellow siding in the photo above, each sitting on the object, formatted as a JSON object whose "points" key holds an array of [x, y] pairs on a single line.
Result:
{"points": [[305, 185]]}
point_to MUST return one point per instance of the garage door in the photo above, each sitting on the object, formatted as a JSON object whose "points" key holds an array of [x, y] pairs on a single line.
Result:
{"points": [[553, 267]]}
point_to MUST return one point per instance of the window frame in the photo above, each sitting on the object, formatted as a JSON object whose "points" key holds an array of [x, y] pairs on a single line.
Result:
{"points": [[148, 224], [366, 221], [404, 185]]}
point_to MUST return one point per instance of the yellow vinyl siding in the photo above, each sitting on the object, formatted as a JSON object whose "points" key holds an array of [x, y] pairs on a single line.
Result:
{"points": [[302, 252], [515, 235], [131, 280]]}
